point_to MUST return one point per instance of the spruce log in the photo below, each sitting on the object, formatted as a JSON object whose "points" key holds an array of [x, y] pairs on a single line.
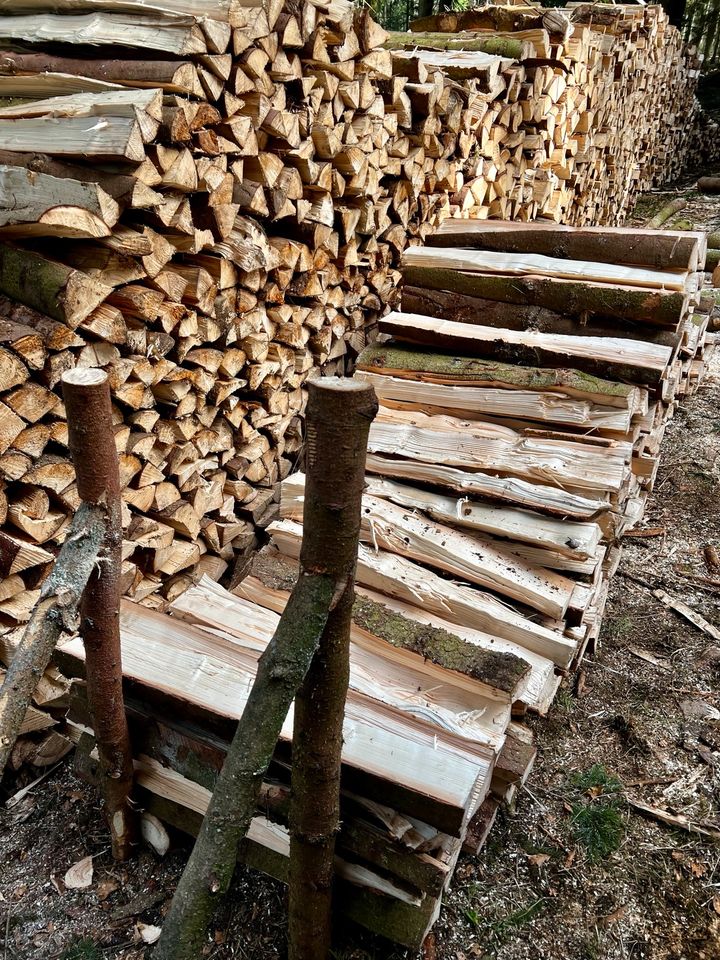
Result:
{"points": [[512, 316], [280, 672], [55, 611], [339, 415], [49, 287], [402, 360], [86, 393], [661, 250], [563, 296], [664, 214], [496, 46]]}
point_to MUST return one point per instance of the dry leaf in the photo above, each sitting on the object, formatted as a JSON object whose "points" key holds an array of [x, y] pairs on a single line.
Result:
{"points": [[716, 904], [106, 887], [570, 858], [613, 917], [697, 869], [80, 874], [148, 932], [57, 883], [538, 859]]}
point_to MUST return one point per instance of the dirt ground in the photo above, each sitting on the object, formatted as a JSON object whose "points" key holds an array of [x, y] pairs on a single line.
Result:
{"points": [[574, 871]]}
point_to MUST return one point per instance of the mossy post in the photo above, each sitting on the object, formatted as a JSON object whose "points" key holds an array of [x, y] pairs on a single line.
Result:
{"points": [[339, 415], [91, 439], [338, 448]]}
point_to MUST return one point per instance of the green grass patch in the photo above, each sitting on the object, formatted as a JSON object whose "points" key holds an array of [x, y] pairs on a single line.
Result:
{"points": [[596, 777], [82, 950]]}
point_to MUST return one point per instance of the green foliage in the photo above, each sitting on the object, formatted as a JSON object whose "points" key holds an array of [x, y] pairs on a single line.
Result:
{"points": [[596, 777], [82, 950], [598, 828]]}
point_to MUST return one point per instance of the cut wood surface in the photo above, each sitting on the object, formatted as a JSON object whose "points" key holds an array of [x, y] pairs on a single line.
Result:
{"points": [[441, 766], [536, 264]]}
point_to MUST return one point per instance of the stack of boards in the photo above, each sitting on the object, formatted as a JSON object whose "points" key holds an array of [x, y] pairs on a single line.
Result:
{"points": [[209, 200], [506, 461]]}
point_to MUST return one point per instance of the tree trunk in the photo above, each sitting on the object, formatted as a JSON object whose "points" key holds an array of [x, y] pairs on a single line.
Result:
{"points": [[338, 422], [280, 672], [86, 393], [54, 612]]}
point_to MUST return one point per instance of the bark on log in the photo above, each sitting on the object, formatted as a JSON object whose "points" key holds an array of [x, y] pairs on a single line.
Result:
{"points": [[664, 214], [280, 672], [54, 612], [511, 316], [709, 184], [563, 296], [49, 287], [339, 415], [400, 359], [663, 251], [86, 393], [496, 46]]}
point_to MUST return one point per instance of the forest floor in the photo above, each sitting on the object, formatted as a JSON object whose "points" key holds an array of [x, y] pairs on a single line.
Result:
{"points": [[574, 871]]}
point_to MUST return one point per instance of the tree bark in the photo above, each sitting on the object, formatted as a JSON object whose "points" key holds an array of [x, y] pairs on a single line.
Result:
{"points": [[338, 423], [709, 184], [564, 296], [664, 214], [661, 251], [498, 46], [280, 672], [86, 393], [54, 612], [512, 316]]}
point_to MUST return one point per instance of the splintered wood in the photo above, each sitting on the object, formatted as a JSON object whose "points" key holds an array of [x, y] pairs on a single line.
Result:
{"points": [[501, 475]]}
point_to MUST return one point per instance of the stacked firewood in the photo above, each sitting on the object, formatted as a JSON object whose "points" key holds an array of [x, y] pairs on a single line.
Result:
{"points": [[210, 201], [596, 108]]}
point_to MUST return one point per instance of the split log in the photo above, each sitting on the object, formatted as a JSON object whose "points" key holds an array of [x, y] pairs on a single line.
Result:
{"points": [[54, 612]]}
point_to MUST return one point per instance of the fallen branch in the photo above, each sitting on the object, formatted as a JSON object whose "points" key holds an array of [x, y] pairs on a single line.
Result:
{"points": [[688, 613], [55, 611], [674, 820], [664, 213]]}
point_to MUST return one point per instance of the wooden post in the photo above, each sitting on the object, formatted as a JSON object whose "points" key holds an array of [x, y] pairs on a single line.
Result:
{"points": [[55, 611], [339, 415], [86, 393], [323, 585]]}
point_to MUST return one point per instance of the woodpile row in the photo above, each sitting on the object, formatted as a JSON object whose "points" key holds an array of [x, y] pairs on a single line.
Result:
{"points": [[210, 202], [506, 463]]}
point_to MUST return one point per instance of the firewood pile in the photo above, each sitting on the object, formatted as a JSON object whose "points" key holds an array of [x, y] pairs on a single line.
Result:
{"points": [[210, 201]]}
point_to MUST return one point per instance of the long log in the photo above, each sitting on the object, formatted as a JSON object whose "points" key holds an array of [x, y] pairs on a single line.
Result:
{"points": [[54, 612], [497, 46], [339, 415], [86, 393], [515, 316], [563, 296], [665, 212], [613, 359], [709, 184], [667, 249]]}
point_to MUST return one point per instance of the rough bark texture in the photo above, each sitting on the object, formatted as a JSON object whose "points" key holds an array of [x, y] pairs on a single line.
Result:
{"points": [[661, 251], [398, 360], [54, 612], [501, 670], [511, 316], [566, 296], [497, 46], [91, 439], [339, 415], [526, 354]]}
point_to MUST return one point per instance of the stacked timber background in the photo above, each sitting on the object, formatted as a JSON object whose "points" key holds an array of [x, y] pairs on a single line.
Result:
{"points": [[505, 464], [210, 201]]}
